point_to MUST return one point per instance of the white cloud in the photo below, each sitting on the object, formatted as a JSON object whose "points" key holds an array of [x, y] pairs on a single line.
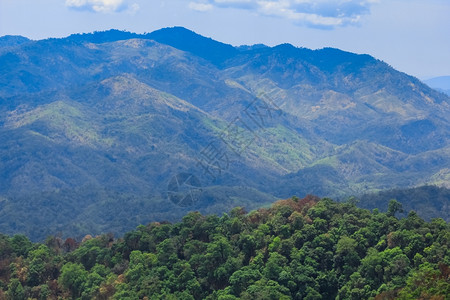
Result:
{"points": [[133, 8], [313, 13], [200, 6], [103, 6]]}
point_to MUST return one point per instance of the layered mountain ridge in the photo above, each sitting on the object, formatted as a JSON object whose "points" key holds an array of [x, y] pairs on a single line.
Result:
{"points": [[111, 117]]}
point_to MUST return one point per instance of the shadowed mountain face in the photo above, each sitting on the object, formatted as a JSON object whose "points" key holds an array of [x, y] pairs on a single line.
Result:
{"points": [[430, 201], [95, 126]]}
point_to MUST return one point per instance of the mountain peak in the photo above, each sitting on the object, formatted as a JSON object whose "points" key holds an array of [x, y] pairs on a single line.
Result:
{"points": [[187, 40], [178, 37], [12, 40]]}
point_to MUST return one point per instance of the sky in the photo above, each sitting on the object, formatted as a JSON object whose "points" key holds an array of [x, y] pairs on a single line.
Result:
{"points": [[413, 36]]}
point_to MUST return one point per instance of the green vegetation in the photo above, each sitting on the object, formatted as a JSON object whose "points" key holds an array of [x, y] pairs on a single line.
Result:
{"points": [[307, 248], [93, 127]]}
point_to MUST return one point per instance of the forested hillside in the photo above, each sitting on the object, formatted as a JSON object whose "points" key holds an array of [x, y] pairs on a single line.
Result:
{"points": [[94, 127], [307, 248], [430, 201]]}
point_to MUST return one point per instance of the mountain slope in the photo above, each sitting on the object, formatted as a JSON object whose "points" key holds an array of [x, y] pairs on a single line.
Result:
{"points": [[187, 40], [441, 83], [93, 118], [428, 200]]}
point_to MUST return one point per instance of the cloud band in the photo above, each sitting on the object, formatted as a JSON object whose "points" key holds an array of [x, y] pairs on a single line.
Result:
{"points": [[102, 6], [325, 14]]}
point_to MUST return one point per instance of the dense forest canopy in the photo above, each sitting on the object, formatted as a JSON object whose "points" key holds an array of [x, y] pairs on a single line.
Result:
{"points": [[307, 248]]}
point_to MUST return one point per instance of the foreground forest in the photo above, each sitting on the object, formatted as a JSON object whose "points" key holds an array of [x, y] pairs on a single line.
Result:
{"points": [[307, 248]]}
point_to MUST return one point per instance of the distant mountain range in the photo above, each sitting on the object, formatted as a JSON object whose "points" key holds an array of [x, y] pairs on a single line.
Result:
{"points": [[103, 131], [441, 83]]}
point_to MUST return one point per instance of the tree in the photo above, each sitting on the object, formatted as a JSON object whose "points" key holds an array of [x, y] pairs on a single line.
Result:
{"points": [[73, 277], [394, 207], [265, 289], [39, 265], [21, 245], [274, 266], [15, 290], [427, 283], [346, 256], [242, 278]]}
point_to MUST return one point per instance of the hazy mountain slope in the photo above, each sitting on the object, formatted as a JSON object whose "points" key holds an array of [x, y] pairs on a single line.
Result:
{"points": [[111, 117], [347, 95], [428, 200], [441, 83], [131, 125]]}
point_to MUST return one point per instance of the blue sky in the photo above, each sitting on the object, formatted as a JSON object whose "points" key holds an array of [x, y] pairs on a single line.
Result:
{"points": [[411, 35]]}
